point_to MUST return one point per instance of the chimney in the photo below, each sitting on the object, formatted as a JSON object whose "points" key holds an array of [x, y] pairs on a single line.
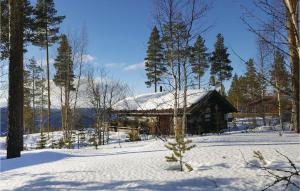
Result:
{"points": [[160, 88]]}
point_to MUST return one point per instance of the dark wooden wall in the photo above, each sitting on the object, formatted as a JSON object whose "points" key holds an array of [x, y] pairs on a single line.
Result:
{"points": [[165, 124], [209, 118]]}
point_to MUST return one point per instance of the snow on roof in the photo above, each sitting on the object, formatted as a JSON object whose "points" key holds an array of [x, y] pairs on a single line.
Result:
{"points": [[159, 101]]}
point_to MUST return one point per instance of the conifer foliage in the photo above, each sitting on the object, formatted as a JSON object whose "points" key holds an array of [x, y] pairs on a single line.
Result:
{"points": [[43, 140], [179, 148], [154, 60], [220, 63], [199, 59], [46, 29], [64, 78]]}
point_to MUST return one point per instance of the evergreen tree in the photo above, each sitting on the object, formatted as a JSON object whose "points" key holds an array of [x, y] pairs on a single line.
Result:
{"points": [[154, 61], [46, 33], [279, 73], [280, 78], [36, 82], [199, 59], [220, 63], [43, 140], [64, 78], [233, 92], [28, 21], [27, 110], [179, 148], [15, 73], [252, 85], [81, 137]]}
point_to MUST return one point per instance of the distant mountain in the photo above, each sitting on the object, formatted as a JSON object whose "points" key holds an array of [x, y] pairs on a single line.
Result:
{"points": [[85, 119]]}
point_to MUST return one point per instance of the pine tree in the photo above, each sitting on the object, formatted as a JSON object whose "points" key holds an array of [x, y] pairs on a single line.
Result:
{"points": [[64, 78], [28, 21], [220, 63], [46, 33], [179, 148], [154, 61], [81, 137], [252, 81], [15, 73], [280, 77], [43, 140], [36, 82], [199, 59], [27, 109], [234, 91]]}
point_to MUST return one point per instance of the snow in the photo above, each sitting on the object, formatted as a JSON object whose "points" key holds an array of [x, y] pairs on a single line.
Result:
{"points": [[159, 101], [217, 161]]}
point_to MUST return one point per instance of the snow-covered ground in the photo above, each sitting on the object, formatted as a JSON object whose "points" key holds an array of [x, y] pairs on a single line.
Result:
{"points": [[217, 161]]}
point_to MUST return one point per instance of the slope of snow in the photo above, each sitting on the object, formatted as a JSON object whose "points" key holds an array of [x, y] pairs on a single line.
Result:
{"points": [[160, 100], [216, 159]]}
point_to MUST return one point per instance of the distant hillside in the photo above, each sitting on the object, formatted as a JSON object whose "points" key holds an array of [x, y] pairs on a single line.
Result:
{"points": [[85, 118]]}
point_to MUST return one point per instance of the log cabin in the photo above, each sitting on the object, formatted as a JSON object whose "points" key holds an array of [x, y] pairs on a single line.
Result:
{"points": [[206, 111]]}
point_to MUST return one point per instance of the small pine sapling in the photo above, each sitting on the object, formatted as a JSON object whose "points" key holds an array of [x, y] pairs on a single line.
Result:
{"points": [[61, 143], [93, 140], [179, 148], [53, 143], [81, 137], [43, 140]]}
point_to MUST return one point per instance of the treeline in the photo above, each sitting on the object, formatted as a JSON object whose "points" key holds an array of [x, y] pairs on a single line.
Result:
{"points": [[194, 55], [31, 84], [275, 72]]}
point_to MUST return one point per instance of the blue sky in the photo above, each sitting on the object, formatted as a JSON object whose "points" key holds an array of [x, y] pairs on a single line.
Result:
{"points": [[118, 31]]}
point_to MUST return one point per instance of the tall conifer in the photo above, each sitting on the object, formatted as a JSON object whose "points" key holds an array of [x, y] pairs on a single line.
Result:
{"points": [[220, 63], [46, 34], [64, 78], [199, 59], [154, 61]]}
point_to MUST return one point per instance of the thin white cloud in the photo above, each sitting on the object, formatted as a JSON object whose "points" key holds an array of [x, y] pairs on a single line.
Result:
{"points": [[138, 66], [88, 58], [114, 65]]}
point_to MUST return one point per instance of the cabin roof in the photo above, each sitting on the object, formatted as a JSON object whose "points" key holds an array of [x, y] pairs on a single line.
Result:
{"points": [[158, 101]]}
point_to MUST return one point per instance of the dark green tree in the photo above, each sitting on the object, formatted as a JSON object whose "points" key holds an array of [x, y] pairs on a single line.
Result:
{"points": [[252, 85], [43, 140], [64, 78], [154, 64], [36, 83], [15, 77], [199, 59], [280, 78], [28, 21], [27, 109], [220, 63], [46, 29], [279, 73]]}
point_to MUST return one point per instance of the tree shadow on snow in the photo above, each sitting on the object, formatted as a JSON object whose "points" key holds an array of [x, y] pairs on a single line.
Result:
{"points": [[30, 159], [200, 184]]}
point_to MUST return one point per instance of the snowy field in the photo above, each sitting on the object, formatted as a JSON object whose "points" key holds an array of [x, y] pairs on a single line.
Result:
{"points": [[217, 161]]}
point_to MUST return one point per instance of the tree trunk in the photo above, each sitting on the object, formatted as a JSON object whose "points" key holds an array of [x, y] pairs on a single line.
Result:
{"points": [[199, 79], [184, 128], [33, 98], [48, 81], [15, 92], [279, 105], [292, 22]]}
